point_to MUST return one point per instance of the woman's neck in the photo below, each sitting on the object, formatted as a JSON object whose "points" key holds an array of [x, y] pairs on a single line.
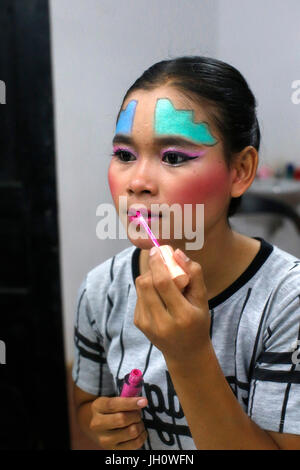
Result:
{"points": [[223, 259], [224, 256]]}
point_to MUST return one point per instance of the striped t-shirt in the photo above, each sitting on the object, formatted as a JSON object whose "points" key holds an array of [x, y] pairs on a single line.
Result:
{"points": [[254, 331]]}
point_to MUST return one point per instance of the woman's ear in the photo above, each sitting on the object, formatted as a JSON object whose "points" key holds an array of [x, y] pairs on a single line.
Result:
{"points": [[243, 169]]}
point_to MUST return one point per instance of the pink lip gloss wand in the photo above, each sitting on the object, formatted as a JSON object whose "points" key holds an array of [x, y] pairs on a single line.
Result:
{"points": [[180, 277], [133, 384]]}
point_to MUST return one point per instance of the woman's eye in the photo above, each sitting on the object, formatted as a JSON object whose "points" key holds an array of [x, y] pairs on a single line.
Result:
{"points": [[174, 156], [123, 155], [171, 158]]}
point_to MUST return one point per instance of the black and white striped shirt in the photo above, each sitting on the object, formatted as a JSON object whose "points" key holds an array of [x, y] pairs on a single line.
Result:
{"points": [[255, 329]]}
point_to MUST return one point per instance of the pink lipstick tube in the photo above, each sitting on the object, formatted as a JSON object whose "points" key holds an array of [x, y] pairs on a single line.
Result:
{"points": [[133, 384], [180, 277]]}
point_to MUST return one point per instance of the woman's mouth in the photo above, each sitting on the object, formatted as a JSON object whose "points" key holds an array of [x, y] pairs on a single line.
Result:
{"points": [[148, 215]]}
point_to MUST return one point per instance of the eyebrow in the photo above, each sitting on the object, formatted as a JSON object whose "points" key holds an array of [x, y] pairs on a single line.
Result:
{"points": [[163, 141]]}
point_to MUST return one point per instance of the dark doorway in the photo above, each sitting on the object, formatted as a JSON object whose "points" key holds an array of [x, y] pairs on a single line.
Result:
{"points": [[33, 398]]}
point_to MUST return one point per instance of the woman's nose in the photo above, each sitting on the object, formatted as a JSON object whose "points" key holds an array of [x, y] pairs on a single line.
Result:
{"points": [[143, 179]]}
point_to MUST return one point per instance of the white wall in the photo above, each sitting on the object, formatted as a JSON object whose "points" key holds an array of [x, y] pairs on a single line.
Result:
{"points": [[262, 39], [99, 47]]}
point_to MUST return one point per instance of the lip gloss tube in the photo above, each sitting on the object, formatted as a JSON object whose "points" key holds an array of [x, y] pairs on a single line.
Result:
{"points": [[133, 384], [180, 277]]}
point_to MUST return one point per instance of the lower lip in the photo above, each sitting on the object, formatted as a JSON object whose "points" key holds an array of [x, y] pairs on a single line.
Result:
{"points": [[136, 220]]}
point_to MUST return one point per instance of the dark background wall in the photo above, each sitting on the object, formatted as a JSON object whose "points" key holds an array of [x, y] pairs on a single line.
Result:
{"points": [[33, 399]]}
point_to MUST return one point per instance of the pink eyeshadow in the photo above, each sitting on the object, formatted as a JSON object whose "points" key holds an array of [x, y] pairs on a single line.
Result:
{"points": [[185, 152]]}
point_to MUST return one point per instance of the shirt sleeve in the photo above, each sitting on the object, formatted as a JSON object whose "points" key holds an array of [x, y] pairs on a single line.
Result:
{"points": [[274, 399], [90, 370]]}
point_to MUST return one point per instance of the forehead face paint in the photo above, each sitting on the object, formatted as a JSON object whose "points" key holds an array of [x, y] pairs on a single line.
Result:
{"points": [[170, 121], [125, 121]]}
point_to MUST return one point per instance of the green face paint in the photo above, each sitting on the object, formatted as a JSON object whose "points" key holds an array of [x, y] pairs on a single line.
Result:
{"points": [[170, 121]]}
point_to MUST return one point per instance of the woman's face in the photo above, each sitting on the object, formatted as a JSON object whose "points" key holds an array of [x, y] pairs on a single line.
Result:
{"points": [[167, 151]]}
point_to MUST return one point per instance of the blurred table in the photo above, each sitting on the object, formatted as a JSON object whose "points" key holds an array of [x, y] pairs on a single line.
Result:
{"points": [[275, 228], [282, 189]]}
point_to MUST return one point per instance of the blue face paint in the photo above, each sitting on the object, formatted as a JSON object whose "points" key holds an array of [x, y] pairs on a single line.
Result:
{"points": [[171, 121], [125, 121]]}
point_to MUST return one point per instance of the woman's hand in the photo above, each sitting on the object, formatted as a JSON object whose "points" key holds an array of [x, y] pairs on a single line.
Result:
{"points": [[176, 322], [117, 423]]}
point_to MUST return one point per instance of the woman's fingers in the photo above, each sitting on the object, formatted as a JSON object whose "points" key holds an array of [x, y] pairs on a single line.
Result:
{"points": [[195, 292], [165, 286]]}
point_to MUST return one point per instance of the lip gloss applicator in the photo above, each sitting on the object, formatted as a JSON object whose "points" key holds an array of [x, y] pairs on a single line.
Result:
{"points": [[180, 277]]}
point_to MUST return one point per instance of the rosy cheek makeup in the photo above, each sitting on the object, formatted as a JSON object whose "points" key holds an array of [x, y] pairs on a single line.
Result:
{"points": [[180, 277], [115, 185], [203, 187]]}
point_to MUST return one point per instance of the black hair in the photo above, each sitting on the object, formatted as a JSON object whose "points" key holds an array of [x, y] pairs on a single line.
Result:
{"points": [[231, 104]]}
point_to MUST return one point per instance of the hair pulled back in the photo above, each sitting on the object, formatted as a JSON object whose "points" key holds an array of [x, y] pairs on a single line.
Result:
{"points": [[223, 91]]}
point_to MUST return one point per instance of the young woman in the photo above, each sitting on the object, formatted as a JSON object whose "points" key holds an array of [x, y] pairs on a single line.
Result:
{"points": [[218, 356]]}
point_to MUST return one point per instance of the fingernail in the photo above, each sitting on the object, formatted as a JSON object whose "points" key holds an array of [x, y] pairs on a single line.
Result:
{"points": [[142, 402], [182, 255], [153, 251]]}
